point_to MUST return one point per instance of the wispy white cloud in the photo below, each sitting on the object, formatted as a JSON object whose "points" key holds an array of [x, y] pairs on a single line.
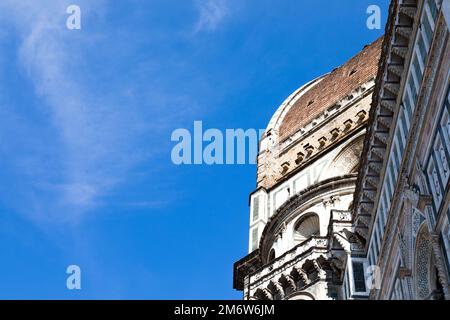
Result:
{"points": [[211, 14], [81, 142], [93, 132]]}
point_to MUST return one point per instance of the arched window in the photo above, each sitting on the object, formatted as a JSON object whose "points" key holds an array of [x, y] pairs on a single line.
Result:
{"points": [[306, 228], [427, 283]]}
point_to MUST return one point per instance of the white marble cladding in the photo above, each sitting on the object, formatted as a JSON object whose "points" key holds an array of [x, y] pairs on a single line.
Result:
{"points": [[332, 164], [285, 264], [322, 209]]}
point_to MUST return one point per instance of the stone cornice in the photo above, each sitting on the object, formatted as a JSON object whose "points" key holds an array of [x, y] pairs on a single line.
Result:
{"points": [[358, 130], [385, 105], [326, 116], [317, 245]]}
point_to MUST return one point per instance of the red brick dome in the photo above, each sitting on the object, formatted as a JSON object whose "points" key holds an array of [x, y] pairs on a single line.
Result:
{"points": [[332, 88]]}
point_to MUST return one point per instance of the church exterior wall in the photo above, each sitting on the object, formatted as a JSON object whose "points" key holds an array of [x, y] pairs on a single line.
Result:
{"points": [[408, 212]]}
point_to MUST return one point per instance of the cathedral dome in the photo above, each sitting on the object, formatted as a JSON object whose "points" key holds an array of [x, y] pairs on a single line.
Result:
{"points": [[315, 117], [315, 97]]}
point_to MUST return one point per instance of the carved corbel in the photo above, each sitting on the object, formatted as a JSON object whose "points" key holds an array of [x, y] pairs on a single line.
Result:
{"points": [[303, 275], [287, 281], [276, 288], [322, 274]]}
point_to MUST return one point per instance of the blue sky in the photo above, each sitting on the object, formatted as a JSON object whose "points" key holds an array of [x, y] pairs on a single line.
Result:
{"points": [[86, 116]]}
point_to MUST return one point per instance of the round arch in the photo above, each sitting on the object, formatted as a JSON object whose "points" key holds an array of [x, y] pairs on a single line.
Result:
{"points": [[426, 281], [302, 295]]}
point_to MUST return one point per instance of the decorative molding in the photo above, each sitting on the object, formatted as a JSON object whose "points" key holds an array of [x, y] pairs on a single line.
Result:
{"points": [[440, 264]]}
